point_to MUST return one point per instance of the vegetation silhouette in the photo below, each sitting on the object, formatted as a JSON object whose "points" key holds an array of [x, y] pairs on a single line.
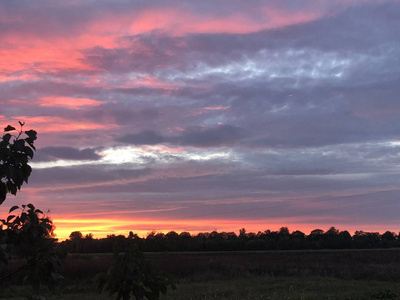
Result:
{"points": [[230, 241], [133, 274], [30, 235]]}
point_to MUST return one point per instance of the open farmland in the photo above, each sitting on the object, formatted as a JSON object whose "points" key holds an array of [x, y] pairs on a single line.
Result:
{"points": [[333, 274]]}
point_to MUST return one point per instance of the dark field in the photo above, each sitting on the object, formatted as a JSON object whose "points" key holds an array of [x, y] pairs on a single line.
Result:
{"points": [[333, 274]]}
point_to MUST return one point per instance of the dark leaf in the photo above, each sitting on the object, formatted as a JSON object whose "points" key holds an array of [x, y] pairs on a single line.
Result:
{"points": [[28, 151], [31, 134], [30, 143], [12, 188], [7, 137], [13, 208], [19, 145], [9, 128], [3, 192]]}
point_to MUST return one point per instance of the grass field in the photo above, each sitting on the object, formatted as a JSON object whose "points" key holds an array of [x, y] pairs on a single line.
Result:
{"points": [[354, 274]]}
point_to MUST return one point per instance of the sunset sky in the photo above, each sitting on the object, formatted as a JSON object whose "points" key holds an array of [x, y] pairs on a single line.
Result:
{"points": [[206, 115]]}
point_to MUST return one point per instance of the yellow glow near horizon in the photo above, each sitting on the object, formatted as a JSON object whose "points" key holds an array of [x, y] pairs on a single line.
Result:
{"points": [[101, 227]]}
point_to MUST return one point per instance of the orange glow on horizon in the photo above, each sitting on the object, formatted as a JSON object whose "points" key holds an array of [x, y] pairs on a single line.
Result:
{"points": [[101, 227]]}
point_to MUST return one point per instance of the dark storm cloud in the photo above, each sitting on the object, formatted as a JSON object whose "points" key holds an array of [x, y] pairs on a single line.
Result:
{"points": [[66, 153]]}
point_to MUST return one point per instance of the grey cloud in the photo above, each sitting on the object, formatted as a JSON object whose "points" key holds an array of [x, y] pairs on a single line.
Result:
{"points": [[196, 136], [245, 185], [158, 54], [122, 114], [347, 34], [307, 130], [26, 90], [66, 153], [81, 175], [147, 137], [222, 135], [60, 18]]}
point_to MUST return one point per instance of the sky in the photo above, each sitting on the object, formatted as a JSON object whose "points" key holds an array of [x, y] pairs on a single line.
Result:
{"points": [[206, 115]]}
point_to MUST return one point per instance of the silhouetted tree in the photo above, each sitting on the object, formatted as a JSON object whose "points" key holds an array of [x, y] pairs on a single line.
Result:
{"points": [[298, 235], [316, 235], [388, 239], [389, 236], [89, 237], [283, 232], [75, 235], [366, 239], [242, 233], [16, 149], [345, 240], [133, 275]]}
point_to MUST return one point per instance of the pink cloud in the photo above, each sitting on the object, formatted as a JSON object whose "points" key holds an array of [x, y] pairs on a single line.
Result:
{"points": [[206, 109], [45, 124], [216, 107], [22, 51], [180, 22], [68, 102]]}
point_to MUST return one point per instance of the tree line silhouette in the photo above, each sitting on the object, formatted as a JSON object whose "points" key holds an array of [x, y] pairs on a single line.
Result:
{"points": [[282, 239]]}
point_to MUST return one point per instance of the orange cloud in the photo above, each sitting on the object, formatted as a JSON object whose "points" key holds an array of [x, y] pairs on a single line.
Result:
{"points": [[67, 102]]}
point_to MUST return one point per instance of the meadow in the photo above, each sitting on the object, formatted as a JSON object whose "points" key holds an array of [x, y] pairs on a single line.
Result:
{"points": [[313, 274]]}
